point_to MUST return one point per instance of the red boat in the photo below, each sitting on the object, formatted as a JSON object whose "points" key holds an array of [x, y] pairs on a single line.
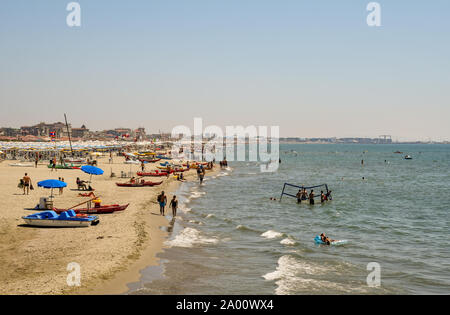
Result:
{"points": [[97, 210], [139, 184], [155, 174], [150, 160]]}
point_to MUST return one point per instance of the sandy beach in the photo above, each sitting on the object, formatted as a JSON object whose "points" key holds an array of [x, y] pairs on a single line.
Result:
{"points": [[111, 254]]}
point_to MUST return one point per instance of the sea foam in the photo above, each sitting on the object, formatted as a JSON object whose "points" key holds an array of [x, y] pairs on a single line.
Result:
{"points": [[272, 234], [288, 241], [190, 237]]}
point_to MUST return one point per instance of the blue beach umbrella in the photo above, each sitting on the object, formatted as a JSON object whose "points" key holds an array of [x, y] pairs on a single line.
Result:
{"points": [[52, 183], [92, 170]]}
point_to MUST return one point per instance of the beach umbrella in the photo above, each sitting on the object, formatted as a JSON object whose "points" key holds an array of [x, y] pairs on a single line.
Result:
{"points": [[52, 183], [91, 170]]}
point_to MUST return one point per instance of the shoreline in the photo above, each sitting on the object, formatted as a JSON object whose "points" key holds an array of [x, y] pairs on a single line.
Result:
{"points": [[148, 256]]}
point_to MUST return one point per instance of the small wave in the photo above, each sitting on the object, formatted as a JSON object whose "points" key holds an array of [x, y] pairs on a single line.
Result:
{"points": [[196, 222], [185, 209], [288, 266], [293, 276], [242, 227], [190, 237], [197, 194], [288, 241], [210, 216], [272, 234]]}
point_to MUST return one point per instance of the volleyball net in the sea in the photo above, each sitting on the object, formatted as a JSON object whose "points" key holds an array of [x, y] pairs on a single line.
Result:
{"points": [[292, 190]]}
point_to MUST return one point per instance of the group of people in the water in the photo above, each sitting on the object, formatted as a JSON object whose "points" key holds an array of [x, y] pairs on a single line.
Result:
{"points": [[303, 195]]}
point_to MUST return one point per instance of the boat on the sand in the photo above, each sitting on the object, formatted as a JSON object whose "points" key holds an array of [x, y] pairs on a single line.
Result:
{"points": [[65, 219], [96, 209], [151, 174], [139, 184]]}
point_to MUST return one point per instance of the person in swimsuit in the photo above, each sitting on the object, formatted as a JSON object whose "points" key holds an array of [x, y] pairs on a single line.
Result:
{"points": [[328, 195], [174, 205], [304, 194], [326, 239], [299, 196], [162, 199], [26, 184], [311, 197], [54, 164], [322, 196], [61, 189]]}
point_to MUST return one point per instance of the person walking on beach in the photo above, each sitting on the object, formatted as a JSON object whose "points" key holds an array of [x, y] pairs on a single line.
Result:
{"points": [[26, 184], [174, 205], [142, 166], [61, 188], [36, 160], [162, 199], [54, 164]]}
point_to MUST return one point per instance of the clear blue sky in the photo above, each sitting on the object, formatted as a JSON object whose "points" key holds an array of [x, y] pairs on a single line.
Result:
{"points": [[312, 67]]}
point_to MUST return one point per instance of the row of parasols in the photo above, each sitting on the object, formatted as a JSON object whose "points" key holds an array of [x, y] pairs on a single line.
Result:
{"points": [[54, 183]]}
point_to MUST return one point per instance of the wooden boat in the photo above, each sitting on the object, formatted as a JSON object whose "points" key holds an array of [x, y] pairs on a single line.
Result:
{"points": [[97, 210], [65, 219], [150, 174], [139, 184]]}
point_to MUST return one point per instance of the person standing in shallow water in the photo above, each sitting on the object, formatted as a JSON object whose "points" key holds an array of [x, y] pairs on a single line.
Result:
{"points": [[311, 197], [174, 205]]}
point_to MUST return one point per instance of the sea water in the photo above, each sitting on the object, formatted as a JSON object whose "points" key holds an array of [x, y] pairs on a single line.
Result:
{"points": [[230, 238]]}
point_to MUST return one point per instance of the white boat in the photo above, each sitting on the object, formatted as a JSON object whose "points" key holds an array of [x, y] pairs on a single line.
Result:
{"points": [[21, 164], [66, 219], [132, 162], [75, 161], [408, 157]]}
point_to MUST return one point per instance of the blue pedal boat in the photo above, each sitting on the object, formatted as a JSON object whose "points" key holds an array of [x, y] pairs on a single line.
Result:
{"points": [[65, 219]]}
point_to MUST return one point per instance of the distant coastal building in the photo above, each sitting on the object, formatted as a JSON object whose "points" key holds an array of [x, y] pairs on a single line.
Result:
{"points": [[43, 130], [80, 132], [10, 132]]}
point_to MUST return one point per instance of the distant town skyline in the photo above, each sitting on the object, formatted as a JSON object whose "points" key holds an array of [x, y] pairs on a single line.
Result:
{"points": [[313, 68], [43, 130]]}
